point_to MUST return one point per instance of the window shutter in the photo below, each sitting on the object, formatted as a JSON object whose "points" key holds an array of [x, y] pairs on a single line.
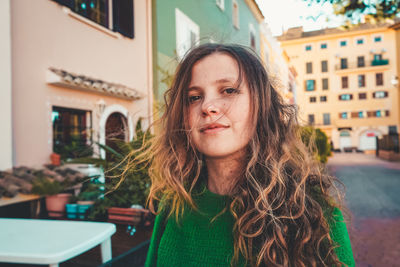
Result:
{"points": [[386, 94], [387, 113], [373, 94], [123, 17], [351, 97]]}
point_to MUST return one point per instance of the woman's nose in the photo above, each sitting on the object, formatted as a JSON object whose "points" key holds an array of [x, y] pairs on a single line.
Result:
{"points": [[210, 108]]}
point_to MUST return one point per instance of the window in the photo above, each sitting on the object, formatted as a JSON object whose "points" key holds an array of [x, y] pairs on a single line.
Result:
{"points": [[380, 94], [187, 33], [311, 119], [324, 46], [98, 11], [324, 66], [343, 115], [378, 113], [345, 97], [361, 114], [343, 63], [360, 61], [325, 84], [221, 4], [392, 129], [309, 67], [252, 37], [310, 85], [361, 80], [326, 118], [343, 43], [379, 78], [235, 14], [71, 132], [360, 41], [378, 57], [362, 96], [377, 39], [313, 99], [322, 98], [308, 47], [345, 82]]}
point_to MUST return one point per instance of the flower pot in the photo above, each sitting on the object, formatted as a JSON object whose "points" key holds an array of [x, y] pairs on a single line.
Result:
{"points": [[55, 159], [71, 210], [83, 209], [55, 204], [130, 216]]}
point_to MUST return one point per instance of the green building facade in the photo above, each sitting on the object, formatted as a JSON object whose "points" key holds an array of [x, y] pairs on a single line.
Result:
{"points": [[180, 24]]}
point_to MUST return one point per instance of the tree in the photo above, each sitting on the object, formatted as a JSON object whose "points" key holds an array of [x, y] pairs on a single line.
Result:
{"points": [[322, 148], [371, 10]]}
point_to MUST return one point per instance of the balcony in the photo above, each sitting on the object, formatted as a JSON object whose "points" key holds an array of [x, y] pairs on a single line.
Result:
{"points": [[368, 65], [380, 62]]}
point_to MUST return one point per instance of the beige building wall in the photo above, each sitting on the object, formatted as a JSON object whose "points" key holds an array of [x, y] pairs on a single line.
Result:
{"points": [[351, 131], [396, 80], [276, 63], [46, 34], [5, 87]]}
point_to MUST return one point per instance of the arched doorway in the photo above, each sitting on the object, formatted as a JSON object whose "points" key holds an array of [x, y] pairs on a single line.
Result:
{"points": [[116, 129], [344, 140]]}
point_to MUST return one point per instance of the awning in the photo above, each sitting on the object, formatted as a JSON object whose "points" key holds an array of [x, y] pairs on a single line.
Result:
{"points": [[67, 79]]}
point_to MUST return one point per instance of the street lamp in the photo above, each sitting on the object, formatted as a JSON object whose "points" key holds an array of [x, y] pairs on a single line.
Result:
{"points": [[101, 105]]}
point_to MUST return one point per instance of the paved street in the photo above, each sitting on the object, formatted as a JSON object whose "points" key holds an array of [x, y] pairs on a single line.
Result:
{"points": [[373, 197]]}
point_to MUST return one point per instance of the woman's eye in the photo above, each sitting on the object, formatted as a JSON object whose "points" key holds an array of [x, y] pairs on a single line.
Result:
{"points": [[230, 91], [194, 98]]}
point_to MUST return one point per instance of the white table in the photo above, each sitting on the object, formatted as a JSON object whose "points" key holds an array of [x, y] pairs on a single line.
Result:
{"points": [[50, 242]]}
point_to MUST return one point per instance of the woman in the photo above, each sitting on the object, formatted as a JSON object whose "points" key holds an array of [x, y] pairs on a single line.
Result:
{"points": [[234, 182]]}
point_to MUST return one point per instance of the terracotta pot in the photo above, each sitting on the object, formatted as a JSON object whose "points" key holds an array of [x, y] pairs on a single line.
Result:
{"points": [[55, 159], [55, 204], [130, 216]]}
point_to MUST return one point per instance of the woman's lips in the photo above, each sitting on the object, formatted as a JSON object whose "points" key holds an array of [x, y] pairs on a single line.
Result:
{"points": [[213, 128]]}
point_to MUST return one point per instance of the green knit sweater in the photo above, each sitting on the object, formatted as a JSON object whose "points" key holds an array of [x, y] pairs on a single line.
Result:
{"points": [[198, 241]]}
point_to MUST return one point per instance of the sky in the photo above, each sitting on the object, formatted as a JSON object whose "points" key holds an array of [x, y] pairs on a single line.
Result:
{"points": [[292, 13]]}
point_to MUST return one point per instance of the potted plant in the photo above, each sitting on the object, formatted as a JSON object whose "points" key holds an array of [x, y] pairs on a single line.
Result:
{"points": [[54, 186], [80, 205], [53, 191], [116, 205]]}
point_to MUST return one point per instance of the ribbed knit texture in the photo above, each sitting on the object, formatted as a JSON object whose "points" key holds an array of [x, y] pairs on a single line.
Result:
{"points": [[196, 241]]}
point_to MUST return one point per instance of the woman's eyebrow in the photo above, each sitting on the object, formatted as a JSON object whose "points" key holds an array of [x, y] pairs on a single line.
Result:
{"points": [[225, 80], [219, 81]]}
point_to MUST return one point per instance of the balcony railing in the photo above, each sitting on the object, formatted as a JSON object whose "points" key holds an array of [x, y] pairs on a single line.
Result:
{"points": [[355, 65], [380, 62]]}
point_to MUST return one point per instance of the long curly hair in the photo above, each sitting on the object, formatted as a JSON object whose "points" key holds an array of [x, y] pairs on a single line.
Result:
{"points": [[282, 201]]}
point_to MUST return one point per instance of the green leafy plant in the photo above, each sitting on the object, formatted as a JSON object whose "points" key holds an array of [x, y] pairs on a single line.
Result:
{"points": [[134, 187], [45, 186], [322, 146], [75, 149]]}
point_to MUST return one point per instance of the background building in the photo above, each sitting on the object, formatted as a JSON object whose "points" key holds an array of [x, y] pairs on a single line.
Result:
{"points": [[347, 82], [277, 63], [80, 73], [179, 25]]}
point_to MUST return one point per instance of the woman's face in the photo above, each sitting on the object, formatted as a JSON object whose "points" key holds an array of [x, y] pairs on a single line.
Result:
{"points": [[219, 112]]}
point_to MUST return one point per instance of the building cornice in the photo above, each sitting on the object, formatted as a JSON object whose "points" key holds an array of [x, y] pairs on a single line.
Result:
{"points": [[325, 37], [255, 9]]}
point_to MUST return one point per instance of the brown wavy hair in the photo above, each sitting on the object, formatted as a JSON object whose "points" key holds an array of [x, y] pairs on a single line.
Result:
{"points": [[283, 200]]}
